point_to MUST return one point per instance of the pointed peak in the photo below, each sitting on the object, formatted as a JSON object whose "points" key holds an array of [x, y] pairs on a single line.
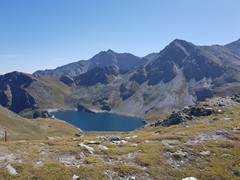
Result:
{"points": [[181, 42], [178, 43], [110, 51]]}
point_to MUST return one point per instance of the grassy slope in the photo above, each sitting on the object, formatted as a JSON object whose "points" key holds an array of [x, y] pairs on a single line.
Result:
{"points": [[162, 153], [21, 128], [58, 89]]}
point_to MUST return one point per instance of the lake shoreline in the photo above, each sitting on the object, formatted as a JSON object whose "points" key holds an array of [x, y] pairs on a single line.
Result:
{"points": [[97, 111], [99, 120]]}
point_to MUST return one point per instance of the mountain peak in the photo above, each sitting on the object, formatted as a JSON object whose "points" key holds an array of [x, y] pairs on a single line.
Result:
{"points": [[234, 47], [181, 45], [110, 51], [181, 42]]}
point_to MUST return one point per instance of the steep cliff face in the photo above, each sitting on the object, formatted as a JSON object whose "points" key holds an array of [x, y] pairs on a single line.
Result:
{"points": [[13, 94]]}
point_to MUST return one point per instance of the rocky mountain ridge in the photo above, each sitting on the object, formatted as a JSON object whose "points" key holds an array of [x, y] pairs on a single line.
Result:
{"points": [[179, 75], [123, 61]]}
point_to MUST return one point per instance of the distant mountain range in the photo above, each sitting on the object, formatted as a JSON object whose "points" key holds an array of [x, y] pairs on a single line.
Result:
{"points": [[123, 61], [179, 75]]}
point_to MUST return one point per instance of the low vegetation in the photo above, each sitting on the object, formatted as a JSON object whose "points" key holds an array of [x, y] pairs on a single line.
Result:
{"points": [[206, 148]]}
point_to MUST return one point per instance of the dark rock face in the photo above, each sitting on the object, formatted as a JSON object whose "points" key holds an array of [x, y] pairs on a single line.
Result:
{"points": [[125, 92], [139, 77], [160, 71], [200, 66], [106, 107], [98, 75], [204, 93], [84, 109], [12, 92], [67, 80]]}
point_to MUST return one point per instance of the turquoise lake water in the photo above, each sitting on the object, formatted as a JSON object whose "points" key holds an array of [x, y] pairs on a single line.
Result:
{"points": [[99, 121]]}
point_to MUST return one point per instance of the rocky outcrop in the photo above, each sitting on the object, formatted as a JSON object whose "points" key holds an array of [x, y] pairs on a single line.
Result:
{"points": [[236, 97], [67, 80], [102, 75], [34, 113], [187, 114]]}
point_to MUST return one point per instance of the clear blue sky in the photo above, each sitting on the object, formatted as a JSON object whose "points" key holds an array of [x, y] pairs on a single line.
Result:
{"points": [[40, 34]]}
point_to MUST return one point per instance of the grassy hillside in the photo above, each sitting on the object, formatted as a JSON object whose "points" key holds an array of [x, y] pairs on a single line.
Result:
{"points": [[206, 148], [21, 128], [51, 93]]}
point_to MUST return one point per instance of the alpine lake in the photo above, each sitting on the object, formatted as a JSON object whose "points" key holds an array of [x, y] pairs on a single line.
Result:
{"points": [[99, 121]]}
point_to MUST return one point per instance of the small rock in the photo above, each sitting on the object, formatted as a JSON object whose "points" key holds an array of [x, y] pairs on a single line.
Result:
{"points": [[227, 119], [82, 155], [117, 140], [74, 139], [132, 178], [111, 139], [134, 145], [75, 177], [93, 142], [189, 178], [103, 147], [90, 149], [39, 163], [168, 145], [130, 155], [124, 141], [205, 153], [53, 138], [11, 170], [132, 137], [226, 155], [79, 135], [179, 154], [79, 129], [102, 138]]}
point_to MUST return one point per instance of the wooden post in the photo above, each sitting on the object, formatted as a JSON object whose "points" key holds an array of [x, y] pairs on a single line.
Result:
{"points": [[5, 136]]}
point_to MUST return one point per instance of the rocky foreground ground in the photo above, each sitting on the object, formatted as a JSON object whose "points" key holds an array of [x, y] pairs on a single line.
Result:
{"points": [[204, 146]]}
